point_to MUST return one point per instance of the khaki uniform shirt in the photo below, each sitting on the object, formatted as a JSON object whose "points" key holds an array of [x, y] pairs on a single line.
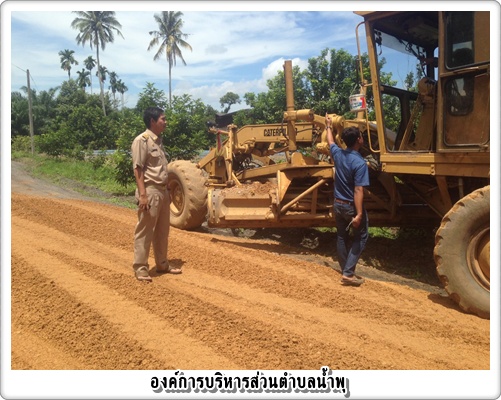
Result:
{"points": [[149, 154]]}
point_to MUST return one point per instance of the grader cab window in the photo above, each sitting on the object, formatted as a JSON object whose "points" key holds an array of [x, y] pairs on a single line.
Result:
{"points": [[466, 79], [459, 95], [407, 51], [459, 54], [459, 40]]}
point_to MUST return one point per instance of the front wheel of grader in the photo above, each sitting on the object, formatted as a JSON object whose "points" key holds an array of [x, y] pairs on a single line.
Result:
{"points": [[462, 252], [186, 183]]}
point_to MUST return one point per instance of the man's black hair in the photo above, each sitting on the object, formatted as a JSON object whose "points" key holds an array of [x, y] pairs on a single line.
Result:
{"points": [[151, 113], [350, 135]]}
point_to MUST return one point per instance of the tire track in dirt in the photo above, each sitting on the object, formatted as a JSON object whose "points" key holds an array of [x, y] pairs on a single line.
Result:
{"points": [[318, 288], [126, 320], [213, 326], [64, 324], [239, 304]]}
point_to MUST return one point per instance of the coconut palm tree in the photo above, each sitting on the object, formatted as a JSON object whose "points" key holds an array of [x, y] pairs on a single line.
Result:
{"points": [[83, 79], [171, 40], [97, 28], [90, 63], [67, 60]]}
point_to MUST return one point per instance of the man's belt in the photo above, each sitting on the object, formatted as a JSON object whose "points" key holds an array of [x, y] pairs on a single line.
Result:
{"points": [[156, 186], [341, 201]]}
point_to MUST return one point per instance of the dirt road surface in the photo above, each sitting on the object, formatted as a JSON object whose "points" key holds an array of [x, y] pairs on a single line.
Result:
{"points": [[241, 303]]}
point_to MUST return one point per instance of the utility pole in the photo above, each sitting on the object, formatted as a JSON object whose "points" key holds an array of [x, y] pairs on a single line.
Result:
{"points": [[30, 111]]}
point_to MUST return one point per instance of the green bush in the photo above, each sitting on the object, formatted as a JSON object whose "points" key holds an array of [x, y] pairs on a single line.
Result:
{"points": [[130, 124], [124, 174], [21, 144]]}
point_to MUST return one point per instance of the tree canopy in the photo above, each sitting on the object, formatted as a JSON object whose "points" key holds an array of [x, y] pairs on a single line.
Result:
{"points": [[229, 99]]}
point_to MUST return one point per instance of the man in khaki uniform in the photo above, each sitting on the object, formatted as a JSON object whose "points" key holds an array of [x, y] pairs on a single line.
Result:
{"points": [[153, 199]]}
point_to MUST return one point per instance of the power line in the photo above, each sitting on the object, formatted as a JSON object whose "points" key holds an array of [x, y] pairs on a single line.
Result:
{"points": [[19, 67], [34, 83], [30, 75]]}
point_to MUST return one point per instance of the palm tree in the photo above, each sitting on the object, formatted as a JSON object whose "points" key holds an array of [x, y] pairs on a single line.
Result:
{"points": [[121, 88], [113, 83], [90, 63], [101, 73], [96, 27], [171, 39], [67, 60], [83, 78], [44, 109]]}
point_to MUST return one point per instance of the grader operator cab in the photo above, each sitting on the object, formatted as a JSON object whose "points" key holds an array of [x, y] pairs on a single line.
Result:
{"points": [[429, 163]]}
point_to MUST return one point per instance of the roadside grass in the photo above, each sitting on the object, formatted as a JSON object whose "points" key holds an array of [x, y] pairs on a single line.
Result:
{"points": [[92, 177], [388, 233]]}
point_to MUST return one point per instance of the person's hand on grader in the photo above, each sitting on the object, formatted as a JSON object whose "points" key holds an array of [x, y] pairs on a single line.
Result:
{"points": [[328, 121]]}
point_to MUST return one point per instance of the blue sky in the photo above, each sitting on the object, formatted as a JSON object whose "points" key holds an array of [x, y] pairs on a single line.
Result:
{"points": [[233, 51]]}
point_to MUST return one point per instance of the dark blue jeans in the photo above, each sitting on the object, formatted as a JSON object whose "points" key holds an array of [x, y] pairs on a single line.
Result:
{"points": [[349, 253]]}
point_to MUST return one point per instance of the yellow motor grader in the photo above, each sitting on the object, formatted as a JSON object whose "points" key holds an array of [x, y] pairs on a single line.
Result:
{"points": [[428, 168]]}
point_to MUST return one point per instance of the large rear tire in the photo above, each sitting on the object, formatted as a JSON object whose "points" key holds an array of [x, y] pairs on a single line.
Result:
{"points": [[188, 207], [462, 252]]}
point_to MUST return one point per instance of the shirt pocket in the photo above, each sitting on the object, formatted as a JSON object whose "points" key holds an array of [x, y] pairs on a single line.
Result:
{"points": [[155, 155]]}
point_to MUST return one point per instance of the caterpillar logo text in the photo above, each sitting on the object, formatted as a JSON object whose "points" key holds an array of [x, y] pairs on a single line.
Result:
{"points": [[275, 132]]}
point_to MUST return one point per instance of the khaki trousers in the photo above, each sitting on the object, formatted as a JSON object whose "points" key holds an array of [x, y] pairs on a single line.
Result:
{"points": [[152, 228]]}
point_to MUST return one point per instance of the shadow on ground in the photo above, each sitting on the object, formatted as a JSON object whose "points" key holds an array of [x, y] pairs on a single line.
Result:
{"points": [[406, 258]]}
